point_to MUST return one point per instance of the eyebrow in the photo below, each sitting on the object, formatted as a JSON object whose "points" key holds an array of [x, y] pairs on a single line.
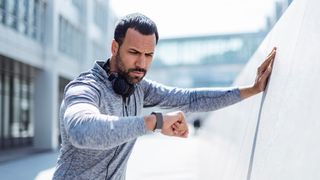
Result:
{"points": [[135, 50]]}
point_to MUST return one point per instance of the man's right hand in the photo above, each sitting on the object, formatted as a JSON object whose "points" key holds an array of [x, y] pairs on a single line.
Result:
{"points": [[174, 124]]}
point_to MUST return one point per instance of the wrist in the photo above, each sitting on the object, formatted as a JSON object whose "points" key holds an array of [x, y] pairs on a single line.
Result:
{"points": [[159, 121], [255, 89], [150, 122], [246, 92]]}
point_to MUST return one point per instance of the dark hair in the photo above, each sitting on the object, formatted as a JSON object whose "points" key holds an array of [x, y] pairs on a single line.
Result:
{"points": [[137, 21]]}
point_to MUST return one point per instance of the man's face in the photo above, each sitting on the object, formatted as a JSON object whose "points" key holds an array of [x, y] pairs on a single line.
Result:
{"points": [[135, 55]]}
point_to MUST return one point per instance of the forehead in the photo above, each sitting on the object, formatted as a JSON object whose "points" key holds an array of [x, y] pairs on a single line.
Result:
{"points": [[136, 40]]}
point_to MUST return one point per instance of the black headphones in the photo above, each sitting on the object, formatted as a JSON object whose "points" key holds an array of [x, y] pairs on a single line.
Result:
{"points": [[119, 84]]}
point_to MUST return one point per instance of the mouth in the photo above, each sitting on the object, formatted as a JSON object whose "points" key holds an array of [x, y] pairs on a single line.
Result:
{"points": [[137, 73]]}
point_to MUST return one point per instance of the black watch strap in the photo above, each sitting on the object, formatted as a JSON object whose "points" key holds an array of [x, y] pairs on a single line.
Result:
{"points": [[159, 120]]}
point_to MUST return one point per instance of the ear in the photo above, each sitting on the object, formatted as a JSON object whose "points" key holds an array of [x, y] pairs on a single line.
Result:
{"points": [[114, 47]]}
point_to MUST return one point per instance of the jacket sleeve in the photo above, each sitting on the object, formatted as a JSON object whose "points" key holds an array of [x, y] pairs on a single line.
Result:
{"points": [[87, 128], [188, 100]]}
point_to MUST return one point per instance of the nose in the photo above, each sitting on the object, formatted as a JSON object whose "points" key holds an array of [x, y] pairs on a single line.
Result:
{"points": [[141, 62]]}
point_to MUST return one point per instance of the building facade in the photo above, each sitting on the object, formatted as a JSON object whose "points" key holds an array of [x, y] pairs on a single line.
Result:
{"points": [[209, 60], [43, 45], [202, 61]]}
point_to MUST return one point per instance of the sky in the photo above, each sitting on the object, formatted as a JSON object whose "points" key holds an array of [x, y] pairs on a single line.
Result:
{"points": [[199, 17]]}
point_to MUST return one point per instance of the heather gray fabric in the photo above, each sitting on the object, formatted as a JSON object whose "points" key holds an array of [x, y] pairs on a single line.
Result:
{"points": [[99, 129]]}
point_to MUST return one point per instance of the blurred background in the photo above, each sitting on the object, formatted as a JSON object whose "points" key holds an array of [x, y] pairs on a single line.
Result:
{"points": [[46, 43]]}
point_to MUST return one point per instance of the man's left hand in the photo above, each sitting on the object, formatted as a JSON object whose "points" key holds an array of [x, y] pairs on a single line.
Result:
{"points": [[262, 76]]}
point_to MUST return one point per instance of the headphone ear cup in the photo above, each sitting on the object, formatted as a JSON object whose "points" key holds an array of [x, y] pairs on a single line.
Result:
{"points": [[122, 87]]}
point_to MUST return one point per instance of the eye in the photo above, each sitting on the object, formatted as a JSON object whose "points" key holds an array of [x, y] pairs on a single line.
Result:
{"points": [[133, 52], [149, 55]]}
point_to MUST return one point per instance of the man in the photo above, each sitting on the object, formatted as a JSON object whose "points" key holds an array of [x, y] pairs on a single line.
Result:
{"points": [[101, 117]]}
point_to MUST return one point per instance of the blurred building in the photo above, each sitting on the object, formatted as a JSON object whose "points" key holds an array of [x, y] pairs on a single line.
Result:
{"points": [[43, 45], [279, 8], [202, 61], [211, 60]]}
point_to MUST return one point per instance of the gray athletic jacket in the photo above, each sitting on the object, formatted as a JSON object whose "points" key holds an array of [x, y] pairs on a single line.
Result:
{"points": [[99, 129]]}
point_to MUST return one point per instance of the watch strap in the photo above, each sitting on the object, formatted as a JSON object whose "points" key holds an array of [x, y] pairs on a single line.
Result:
{"points": [[159, 120]]}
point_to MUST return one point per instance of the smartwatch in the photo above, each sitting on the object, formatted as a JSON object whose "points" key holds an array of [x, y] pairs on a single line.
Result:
{"points": [[159, 121]]}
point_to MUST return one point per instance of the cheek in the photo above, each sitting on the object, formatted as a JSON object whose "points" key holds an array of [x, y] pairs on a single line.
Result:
{"points": [[149, 61], [127, 60]]}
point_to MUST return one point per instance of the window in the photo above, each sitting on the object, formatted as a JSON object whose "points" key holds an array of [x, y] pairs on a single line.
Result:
{"points": [[23, 16], [12, 9], [79, 4], [71, 39], [100, 16], [16, 104], [2, 11]]}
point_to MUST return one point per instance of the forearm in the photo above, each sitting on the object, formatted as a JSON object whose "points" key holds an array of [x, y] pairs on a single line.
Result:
{"points": [[89, 129], [202, 100], [248, 91]]}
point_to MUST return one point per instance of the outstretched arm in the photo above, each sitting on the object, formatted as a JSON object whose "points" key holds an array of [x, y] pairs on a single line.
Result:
{"points": [[262, 76]]}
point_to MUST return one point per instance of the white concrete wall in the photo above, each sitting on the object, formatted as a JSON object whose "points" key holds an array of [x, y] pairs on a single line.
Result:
{"points": [[274, 135]]}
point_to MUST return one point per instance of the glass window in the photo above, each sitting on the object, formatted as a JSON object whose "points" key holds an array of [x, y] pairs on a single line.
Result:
{"points": [[23, 16], [2, 11], [31, 19], [5, 101], [34, 20], [41, 27], [79, 4], [16, 104], [100, 16], [70, 39], [12, 7], [15, 126], [2, 2], [1, 103]]}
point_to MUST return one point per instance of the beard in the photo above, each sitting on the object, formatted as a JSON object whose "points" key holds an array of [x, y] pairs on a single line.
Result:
{"points": [[126, 73]]}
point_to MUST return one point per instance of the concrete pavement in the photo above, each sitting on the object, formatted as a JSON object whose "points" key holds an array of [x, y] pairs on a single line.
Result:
{"points": [[159, 157], [37, 166], [155, 157]]}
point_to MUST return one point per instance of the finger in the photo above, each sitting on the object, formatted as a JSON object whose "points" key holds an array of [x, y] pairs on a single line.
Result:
{"points": [[274, 49], [181, 128], [174, 126], [271, 55], [176, 133], [185, 134], [266, 63], [265, 75], [173, 131], [182, 117]]}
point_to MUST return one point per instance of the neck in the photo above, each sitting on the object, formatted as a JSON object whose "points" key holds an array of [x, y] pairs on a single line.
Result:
{"points": [[112, 64]]}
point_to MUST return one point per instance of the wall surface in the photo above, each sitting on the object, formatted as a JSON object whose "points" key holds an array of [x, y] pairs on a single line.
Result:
{"points": [[274, 135]]}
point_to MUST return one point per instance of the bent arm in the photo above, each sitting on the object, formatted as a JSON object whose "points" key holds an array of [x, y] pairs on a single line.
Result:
{"points": [[87, 127]]}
